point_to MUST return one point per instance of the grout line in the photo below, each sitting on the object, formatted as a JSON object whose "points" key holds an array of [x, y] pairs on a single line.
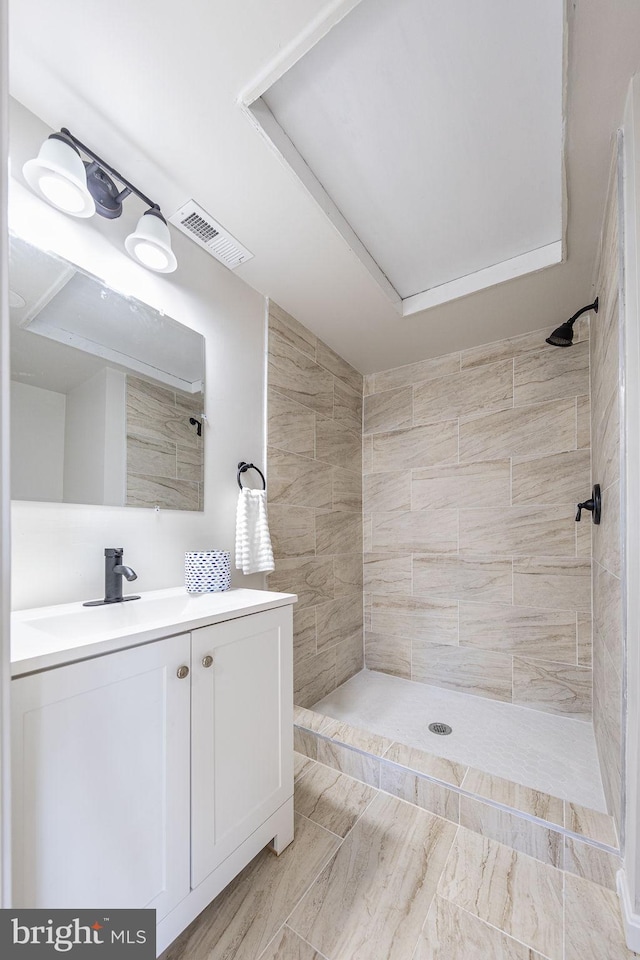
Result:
{"points": [[492, 926], [323, 955]]}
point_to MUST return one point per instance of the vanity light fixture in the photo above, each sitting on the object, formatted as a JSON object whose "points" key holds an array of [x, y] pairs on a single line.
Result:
{"points": [[82, 188]]}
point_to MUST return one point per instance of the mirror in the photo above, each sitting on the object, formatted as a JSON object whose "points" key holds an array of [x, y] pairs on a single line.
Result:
{"points": [[107, 394]]}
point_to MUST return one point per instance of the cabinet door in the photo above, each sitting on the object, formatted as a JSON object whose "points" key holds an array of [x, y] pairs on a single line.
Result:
{"points": [[101, 781], [241, 732]]}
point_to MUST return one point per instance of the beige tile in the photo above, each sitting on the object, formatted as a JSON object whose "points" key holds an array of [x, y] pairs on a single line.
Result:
{"points": [[378, 887], [293, 530], [390, 410], [463, 578], [471, 392], [152, 458], [388, 654], [583, 411], [536, 431], [310, 579], [298, 481], [423, 531], [295, 375], [349, 657], [607, 612], [417, 372], [469, 671], [424, 793], [553, 687], [384, 492], [162, 492], [287, 945], [315, 678], [551, 374], [338, 620], [415, 619], [338, 533], [368, 384], [330, 360], [453, 934], [482, 484], [339, 444], [305, 743], [591, 863], [427, 763], [415, 447], [301, 765], [289, 329], [584, 548], [593, 923], [585, 644], [518, 531], [242, 920], [361, 739], [590, 823], [312, 720], [190, 463], [162, 396], [509, 890], [514, 795], [347, 575], [332, 799], [606, 537], [346, 490], [367, 455], [387, 574], [304, 633], [355, 764], [347, 406], [526, 631], [605, 441], [558, 479], [515, 831], [504, 349], [290, 426], [554, 583]]}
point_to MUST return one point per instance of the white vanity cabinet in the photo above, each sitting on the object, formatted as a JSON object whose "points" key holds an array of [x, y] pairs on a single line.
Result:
{"points": [[150, 776]]}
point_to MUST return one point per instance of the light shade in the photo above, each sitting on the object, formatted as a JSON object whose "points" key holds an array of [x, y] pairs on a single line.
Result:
{"points": [[58, 175], [150, 243]]}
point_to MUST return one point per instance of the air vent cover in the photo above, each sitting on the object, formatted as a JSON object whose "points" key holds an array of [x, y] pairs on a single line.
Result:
{"points": [[209, 234]]}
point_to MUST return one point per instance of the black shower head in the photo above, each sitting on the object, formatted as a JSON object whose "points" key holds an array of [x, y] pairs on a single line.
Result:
{"points": [[562, 336]]}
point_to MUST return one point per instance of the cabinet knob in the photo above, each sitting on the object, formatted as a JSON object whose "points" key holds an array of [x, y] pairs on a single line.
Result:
{"points": [[207, 661], [183, 672]]}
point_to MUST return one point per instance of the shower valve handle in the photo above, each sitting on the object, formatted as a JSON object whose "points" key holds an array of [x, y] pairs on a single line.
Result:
{"points": [[594, 505]]}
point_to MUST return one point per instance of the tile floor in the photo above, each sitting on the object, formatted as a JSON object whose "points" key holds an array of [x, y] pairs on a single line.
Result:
{"points": [[370, 877], [552, 754]]}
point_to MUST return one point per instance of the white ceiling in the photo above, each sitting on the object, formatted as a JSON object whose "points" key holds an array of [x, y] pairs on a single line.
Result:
{"points": [[155, 88]]}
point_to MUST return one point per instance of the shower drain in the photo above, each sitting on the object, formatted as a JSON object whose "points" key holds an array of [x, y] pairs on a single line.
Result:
{"points": [[442, 729]]}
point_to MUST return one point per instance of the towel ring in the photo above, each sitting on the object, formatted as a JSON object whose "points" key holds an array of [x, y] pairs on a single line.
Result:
{"points": [[243, 467]]}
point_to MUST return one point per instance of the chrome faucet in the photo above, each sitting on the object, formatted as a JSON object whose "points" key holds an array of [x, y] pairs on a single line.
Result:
{"points": [[114, 571]]}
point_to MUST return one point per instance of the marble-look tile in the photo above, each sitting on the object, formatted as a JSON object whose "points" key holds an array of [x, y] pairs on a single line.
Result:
{"points": [[388, 654], [462, 578], [241, 921], [384, 492], [293, 530], [518, 531], [526, 631], [338, 532], [350, 655], [330, 360], [152, 458], [417, 372], [514, 795], [457, 668], [471, 392], [338, 620], [424, 793], [287, 945], [584, 548], [584, 641], [605, 439], [387, 574], [427, 763], [367, 455], [315, 677], [311, 579], [368, 384], [346, 491], [415, 447], [536, 431], [306, 743], [553, 583], [347, 406], [355, 764], [301, 765], [364, 740], [347, 575], [162, 492], [332, 799], [390, 410], [593, 924], [606, 537], [505, 349], [339, 445], [311, 720], [553, 687], [378, 888], [551, 374], [415, 619], [607, 612], [590, 823], [295, 375], [451, 933], [481, 484], [298, 481], [515, 831], [583, 413], [163, 396], [290, 426], [151, 412], [190, 463], [509, 890], [423, 531], [304, 633], [557, 479], [591, 863], [291, 330]]}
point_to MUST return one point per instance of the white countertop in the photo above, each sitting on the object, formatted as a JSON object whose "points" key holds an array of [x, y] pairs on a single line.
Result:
{"points": [[47, 637]]}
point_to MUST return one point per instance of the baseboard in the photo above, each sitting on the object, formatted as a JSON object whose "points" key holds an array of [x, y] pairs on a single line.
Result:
{"points": [[630, 920]]}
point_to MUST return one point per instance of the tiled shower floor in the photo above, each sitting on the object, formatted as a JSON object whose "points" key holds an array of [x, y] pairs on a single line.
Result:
{"points": [[549, 753]]}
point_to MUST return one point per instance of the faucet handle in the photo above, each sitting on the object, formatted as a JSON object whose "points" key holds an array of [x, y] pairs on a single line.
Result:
{"points": [[114, 552]]}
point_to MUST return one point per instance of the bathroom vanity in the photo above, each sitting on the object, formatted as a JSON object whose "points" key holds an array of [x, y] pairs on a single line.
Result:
{"points": [[152, 749]]}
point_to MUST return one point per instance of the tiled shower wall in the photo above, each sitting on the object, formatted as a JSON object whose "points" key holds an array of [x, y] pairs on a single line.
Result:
{"points": [[607, 594], [315, 502], [476, 575]]}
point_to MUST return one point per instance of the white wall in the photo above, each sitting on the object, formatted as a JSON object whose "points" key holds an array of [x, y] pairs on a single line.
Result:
{"points": [[58, 548], [37, 442]]}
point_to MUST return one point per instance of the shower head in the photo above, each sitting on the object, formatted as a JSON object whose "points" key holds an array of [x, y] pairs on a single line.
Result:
{"points": [[562, 336]]}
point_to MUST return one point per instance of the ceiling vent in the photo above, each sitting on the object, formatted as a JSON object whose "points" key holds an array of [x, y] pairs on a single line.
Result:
{"points": [[210, 235]]}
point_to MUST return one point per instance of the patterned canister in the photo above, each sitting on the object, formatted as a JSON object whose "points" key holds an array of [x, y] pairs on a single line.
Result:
{"points": [[207, 571]]}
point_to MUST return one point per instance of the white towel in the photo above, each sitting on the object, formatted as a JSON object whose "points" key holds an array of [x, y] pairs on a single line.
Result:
{"points": [[253, 543]]}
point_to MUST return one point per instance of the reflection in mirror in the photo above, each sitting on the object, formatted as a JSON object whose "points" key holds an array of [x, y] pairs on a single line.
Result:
{"points": [[107, 394]]}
